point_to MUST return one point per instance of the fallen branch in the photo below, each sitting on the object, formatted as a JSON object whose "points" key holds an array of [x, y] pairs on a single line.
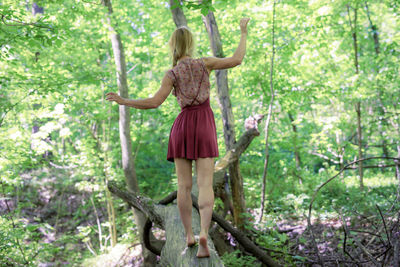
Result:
{"points": [[147, 206]]}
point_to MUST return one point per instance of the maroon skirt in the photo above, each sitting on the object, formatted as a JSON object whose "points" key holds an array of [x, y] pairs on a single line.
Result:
{"points": [[193, 134]]}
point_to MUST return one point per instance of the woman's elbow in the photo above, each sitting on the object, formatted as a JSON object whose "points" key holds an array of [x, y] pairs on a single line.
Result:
{"points": [[237, 62], [155, 103]]}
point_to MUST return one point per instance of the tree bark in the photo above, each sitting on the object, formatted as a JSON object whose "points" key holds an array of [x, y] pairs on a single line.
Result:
{"points": [[360, 155], [236, 178], [295, 147], [124, 130], [397, 162], [177, 13], [358, 104]]}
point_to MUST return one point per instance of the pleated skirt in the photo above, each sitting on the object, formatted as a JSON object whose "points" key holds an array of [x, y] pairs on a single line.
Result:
{"points": [[193, 134]]}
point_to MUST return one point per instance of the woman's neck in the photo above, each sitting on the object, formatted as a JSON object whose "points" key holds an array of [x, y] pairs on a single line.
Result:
{"points": [[182, 58]]}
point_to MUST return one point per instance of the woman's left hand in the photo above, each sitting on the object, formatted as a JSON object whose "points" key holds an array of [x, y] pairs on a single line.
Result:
{"points": [[115, 97]]}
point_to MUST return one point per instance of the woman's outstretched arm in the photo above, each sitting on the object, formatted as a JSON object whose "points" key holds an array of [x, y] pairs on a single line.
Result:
{"points": [[214, 63], [147, 103]]}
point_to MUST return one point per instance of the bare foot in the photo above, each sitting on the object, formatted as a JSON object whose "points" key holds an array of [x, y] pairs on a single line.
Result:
{"points": [[203, 252], [190, 240]]}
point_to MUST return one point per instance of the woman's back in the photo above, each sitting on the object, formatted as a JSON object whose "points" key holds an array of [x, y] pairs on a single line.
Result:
{"points": [[190, 81]]}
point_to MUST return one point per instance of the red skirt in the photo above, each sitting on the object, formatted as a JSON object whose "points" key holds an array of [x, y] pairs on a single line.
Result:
{"points": [[193, 134]]}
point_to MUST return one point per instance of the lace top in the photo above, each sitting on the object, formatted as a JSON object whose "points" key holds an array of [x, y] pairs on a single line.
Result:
{"points": [[191, 84]]}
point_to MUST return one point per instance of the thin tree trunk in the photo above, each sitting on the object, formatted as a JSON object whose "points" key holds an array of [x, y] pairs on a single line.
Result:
{"points": [[374, 31], [380, 105], [360, 155], [296, 148], [397, 162], [267, 123], [358, 104], [177, 14], [236, 178], [124, 130], [104, 148]]}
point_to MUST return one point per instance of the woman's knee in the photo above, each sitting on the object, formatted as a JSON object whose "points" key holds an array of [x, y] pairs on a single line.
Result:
{"points": [[205, 172], [205, 189], [184, 187]]}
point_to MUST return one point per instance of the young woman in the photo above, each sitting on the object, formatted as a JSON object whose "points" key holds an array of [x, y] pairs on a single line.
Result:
{"points": [[193, 134]]}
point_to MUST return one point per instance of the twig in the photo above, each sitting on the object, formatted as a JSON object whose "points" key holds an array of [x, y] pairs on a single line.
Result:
{"points": [[90, 247], [131, 69], [345, 238], [20, 23], [384, 225], [366, 252], [396, 245], [365, 232], [91, 3]]}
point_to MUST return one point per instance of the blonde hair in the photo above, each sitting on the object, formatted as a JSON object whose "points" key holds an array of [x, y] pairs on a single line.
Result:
{"points": [[181, 44]]}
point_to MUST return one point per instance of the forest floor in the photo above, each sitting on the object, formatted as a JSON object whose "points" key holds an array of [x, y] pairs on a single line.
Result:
{"points": [[61, 210]]}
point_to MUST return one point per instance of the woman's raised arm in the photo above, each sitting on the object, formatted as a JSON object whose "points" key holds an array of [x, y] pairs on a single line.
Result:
{"points": [[214, 63], [147, 103]]}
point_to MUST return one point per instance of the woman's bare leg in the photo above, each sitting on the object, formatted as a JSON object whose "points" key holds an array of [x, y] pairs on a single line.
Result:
{"points": [[205, 172], [184, 173]]}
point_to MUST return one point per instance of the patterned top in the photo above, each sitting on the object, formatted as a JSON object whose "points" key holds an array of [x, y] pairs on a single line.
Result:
{"points": [[191, 84]]}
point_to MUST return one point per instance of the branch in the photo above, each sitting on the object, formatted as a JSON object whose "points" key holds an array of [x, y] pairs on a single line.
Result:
{"points": [[13, 105], [20, 23], [142, 203], [238, 148], [323, 157], [366, 252]]}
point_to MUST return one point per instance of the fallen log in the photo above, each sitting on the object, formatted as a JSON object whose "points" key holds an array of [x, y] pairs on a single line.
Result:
{"points": [[174, 252]]}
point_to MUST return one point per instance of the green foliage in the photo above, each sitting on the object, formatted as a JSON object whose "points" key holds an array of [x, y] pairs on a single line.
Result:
{"points": [[57, 66], [20, 243], [236, 259]]}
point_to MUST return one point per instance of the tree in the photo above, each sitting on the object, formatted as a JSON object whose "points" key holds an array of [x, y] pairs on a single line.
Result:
{"points": [[124, 129]]}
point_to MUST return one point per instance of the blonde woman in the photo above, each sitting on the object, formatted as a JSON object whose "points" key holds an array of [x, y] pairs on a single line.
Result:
{"points": [[193, 134]]}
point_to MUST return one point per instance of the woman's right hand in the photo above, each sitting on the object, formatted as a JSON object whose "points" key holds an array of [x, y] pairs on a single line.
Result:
{"points": [[243, 24], [115, 97]]}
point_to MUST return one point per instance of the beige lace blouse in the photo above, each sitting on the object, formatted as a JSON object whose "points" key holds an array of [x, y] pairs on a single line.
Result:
{"points": [[191, 84]]}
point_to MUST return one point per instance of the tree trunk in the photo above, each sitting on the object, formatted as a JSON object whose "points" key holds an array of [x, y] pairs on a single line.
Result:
{"points": [[267, 123], [295, 148], [397, 162], [360, 155], [358, 104], [236, 178], [177, 14], [379, 105], [124, 130]]}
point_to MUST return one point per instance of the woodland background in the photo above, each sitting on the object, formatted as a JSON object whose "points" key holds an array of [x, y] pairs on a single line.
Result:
{"points": [[331, 95]]}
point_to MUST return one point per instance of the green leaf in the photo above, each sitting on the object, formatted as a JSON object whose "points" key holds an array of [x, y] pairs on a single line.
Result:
{"points": [[204, 11]]}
